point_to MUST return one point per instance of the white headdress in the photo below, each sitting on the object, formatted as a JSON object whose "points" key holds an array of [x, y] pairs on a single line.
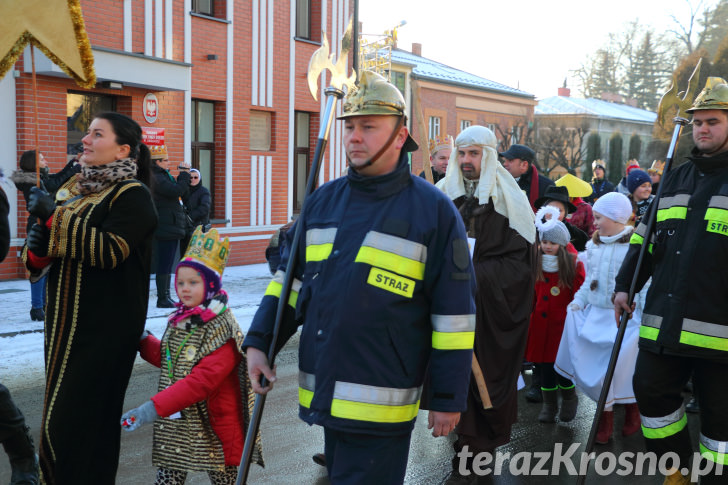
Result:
{"points": [[495, 184]]}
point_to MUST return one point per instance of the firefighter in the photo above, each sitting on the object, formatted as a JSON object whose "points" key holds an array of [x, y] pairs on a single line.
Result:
{"points": [[386, 287], [684, 328]]}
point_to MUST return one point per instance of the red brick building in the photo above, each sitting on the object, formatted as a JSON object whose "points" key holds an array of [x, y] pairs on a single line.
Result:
{"points": [[229, 78], [444, 100]]}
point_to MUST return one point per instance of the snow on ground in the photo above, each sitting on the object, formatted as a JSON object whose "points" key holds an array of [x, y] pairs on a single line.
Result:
{"points": [[21, 339]]}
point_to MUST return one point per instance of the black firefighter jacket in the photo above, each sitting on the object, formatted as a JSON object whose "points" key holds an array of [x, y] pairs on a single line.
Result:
{"points": [[686, 312]]}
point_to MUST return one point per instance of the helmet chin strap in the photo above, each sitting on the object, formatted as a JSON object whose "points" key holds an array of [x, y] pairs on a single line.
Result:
{"points": [[376, 156]]}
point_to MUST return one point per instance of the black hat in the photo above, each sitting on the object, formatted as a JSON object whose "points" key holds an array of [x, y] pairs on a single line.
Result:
{"points": [[519, 151], [557, 193]]}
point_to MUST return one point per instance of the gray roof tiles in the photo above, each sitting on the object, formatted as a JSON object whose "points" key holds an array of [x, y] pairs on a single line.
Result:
{"points": [[424, 68], [564, 105]]}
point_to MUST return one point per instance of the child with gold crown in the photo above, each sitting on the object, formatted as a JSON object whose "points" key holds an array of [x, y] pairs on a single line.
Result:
{"points": [[201, 411]]}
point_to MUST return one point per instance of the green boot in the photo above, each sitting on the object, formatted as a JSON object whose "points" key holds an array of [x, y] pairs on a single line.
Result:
{"points": [[550, 405], [569, 403]]}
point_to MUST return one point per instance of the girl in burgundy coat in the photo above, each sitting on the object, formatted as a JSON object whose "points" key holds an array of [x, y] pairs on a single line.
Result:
{"points": [[559, 276], [201, 411]]}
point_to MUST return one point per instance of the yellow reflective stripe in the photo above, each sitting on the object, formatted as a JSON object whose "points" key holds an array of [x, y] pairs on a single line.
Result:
{"points": [[716, 215], [649, 333], [306, 386], [453, 323], [375, 404], [713, 450], [636, 239], [377, 413], [319, 243], [453, 340], [704, 341], [672, 213], [305, 397], [652, 430], [275, 288], [704, 334], [390, 261], [318, 252]]}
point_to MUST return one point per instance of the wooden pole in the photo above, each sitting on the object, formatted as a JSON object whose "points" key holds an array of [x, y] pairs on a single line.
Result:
{"points": [[35, 119]]}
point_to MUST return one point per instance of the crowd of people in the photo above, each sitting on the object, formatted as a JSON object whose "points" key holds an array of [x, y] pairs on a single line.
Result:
{"points": [[438, 312]]}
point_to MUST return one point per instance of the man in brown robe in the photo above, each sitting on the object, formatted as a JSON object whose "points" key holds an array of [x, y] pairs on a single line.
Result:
{"points": [[499, 219]]}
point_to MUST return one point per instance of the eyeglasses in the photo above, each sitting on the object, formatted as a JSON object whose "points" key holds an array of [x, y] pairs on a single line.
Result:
{"points": [[195, 178]]}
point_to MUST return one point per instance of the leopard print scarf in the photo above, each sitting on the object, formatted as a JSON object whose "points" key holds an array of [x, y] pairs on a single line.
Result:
{"points": [[96, 178]]}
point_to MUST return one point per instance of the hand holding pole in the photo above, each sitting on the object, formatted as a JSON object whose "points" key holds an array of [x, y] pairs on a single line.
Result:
{"points": [[320, 61]]}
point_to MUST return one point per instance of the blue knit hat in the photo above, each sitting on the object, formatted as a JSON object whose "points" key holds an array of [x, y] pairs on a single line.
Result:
{"points": [[636, 178]]}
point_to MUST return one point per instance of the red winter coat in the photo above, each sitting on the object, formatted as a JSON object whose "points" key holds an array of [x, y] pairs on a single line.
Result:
{"points": [[549, 313], [214, 378]]}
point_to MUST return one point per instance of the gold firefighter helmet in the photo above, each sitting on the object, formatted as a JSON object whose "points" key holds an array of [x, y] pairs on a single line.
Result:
{"points": [[713, 96], [376, 97]]}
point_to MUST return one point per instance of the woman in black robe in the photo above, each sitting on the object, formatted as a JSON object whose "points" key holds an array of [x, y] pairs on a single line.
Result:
{"points": [[95, 246]]}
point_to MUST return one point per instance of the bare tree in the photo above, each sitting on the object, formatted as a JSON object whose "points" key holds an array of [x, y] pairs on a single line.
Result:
{"points": [[560, 146]]}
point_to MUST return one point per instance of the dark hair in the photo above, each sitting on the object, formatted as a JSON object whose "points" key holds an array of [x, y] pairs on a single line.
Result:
{"points": [[567, 267], [27, 161], [128, 132]]}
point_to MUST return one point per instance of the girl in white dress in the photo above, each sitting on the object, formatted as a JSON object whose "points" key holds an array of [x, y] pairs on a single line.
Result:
{"points": [[590, 331]]}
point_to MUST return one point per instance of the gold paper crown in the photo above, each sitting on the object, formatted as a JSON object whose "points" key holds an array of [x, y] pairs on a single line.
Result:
{"points": [[440, 142], [207, 249], [657, 167], [158, 151]]}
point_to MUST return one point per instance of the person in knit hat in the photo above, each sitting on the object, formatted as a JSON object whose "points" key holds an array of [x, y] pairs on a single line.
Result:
{"points": [[622, 186], [558, 276], [199, 410], [589, 330], [640, 193]]}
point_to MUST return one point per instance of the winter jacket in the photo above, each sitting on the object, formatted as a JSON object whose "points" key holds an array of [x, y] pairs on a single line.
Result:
{"points": [[582, 217], [525, 182], [167, 193], [601, 187], [603, 263], [686, 308], [212, 380], [197, 205], [50, 182], [382, 292], [549, 313]]}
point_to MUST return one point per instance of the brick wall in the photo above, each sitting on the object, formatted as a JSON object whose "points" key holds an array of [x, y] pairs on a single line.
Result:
{"points": [[104, 22]]}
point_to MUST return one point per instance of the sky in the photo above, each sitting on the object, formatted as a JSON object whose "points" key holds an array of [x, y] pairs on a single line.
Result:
{"points": [[529, 44]]}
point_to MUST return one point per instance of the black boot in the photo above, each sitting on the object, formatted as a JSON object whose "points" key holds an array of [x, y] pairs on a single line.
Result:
{"points": [[37, 314], [23, 460], [533, 394], [163, 300]]}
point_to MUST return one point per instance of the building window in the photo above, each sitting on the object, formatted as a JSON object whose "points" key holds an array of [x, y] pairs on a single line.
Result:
{"points": [[301, 158], [303, 19], [203, 144], [491, 127], [80, 110], [398, 79], [434, 127], [464, 124], [204, 7]]}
